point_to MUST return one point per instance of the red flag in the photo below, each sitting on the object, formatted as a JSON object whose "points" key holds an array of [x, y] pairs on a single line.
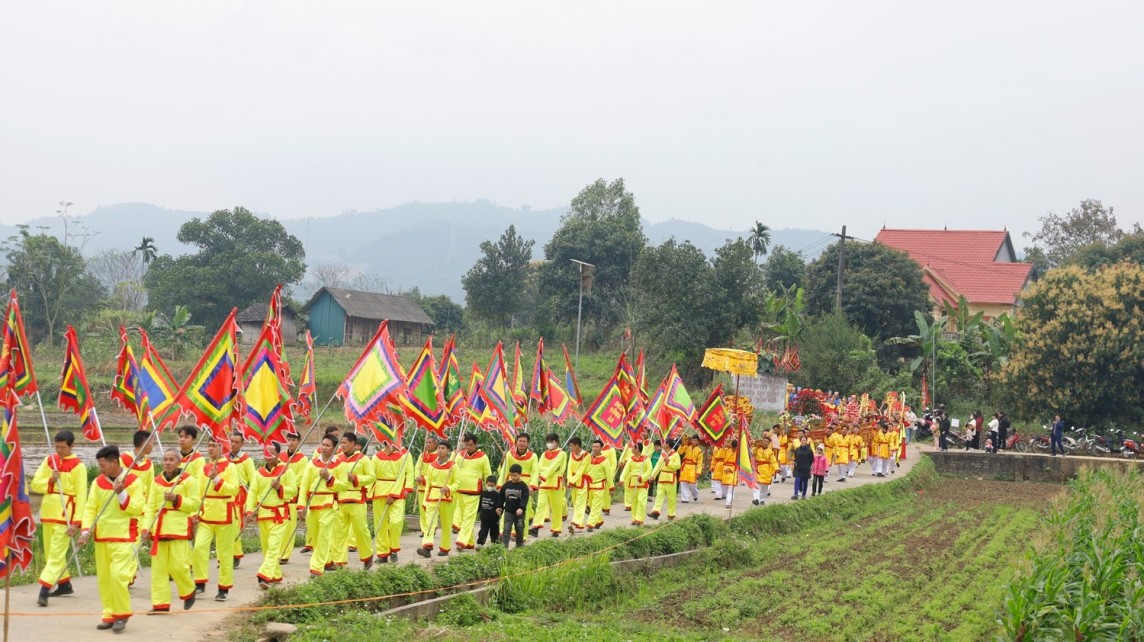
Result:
{"points": [[450, 383], [495, 390], [17, 527], [570, 379], [16, 372], [307, 386], [127, 390], [75, 394], [607, 416], [539, 389], [714, 428], [519, 396]]}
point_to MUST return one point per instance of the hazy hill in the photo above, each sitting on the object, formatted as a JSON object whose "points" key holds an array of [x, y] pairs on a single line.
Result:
{"points": [[428, 245]]}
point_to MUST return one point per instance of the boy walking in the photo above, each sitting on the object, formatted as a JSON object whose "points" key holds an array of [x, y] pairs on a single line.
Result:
{"points": [[514, 498], [490, 512]]}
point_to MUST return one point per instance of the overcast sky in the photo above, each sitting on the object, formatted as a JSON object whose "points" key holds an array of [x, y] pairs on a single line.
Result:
{"points": [[799, 114]]}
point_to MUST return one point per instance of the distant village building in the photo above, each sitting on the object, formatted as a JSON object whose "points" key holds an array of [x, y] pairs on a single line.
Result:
{"points": [[977, 264], [251, 319], [350, 317]]}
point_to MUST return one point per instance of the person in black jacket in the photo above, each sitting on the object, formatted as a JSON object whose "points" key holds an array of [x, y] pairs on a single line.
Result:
{"points": [[1003, 424], [490, 518], [803, 459], [514, 499]]}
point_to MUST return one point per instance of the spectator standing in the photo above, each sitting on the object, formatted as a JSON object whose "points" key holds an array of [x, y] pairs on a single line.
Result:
{"points": [[1002, 430], [1058, 432], [819, 469], [803, 460]]}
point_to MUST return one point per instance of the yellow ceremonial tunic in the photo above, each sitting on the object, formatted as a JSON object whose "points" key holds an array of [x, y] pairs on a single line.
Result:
{"points": [[320, 498], [691, 462], [393, 481], [840, 447], [551, 478], [62, 506], [424, 463], [218, 523], [244, 469], [596, 477], [637, 477], [273, 506], [730, 476], [352, 520], [169, 524], [438, 507], [114, 534], [855, 442], [882, 444], [192, 463], [578, 483], [766, 463], [784, 450], [144, 469], [468, 481], [666, 474], [297, 464]]}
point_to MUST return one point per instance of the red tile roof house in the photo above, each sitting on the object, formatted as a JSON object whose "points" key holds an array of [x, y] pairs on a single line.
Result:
{"points": [[977, 264]]}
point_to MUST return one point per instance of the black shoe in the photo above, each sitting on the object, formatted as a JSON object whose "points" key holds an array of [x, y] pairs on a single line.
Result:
{"points": [[442, 553], [237, 561], [534, 532], [200, 588], [221, 597], [393, 557], [423, 552], [189, 602], [62, 590], [264, 585], [794, 496], [42, 600], [103, 626], [367, 564], [755, 502], [306, 550], [382, 559], [118, 626], [654, 514], [283, 562]]}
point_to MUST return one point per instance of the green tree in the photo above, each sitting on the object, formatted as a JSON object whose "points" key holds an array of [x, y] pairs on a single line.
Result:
{"points": [[52, 281], [1061, 236], [494, 286], [1096, 255], [241, 258], [881, 290], [738, 291], [447, 315], [835, 355], [603, 228], [784, 269], [1080, 351], [676, 302], [760, 240]]}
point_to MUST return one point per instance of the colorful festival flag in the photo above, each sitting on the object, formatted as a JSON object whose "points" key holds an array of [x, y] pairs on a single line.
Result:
{"points": [[267, 411], [712, 423], [374, 379], [450, 383], [519, 397], [641, 376], [425, 404], [559, 403], [307, 386], [16, 372], [538, 390], [75, 395], [127, 389], [210, 394], [745, 460], [678, 401], [390, 426], [570, 383], [496, 393], [478, 408], [158, 385], [17, 527], [607, 416]]}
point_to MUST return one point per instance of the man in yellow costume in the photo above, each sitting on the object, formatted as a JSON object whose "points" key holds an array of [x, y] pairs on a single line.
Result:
{"points": [[438, 503], [268, 503], [666, 474], [244, 472], [324, 478], [718, 458], [352, 521], [881, 451], [138, 461], [839, 443], [309, 517], [636, 479], [518, 454], [424, 463], [115, 502], [611, 456], [295, 460], [730, 476], [469, 474], [578, 460], [551, 471], [172, 502], [691, 462], [62, 480], [784, 452], [218, 521], [766, 463], [597, 477], [393, 481], [191, 461]]}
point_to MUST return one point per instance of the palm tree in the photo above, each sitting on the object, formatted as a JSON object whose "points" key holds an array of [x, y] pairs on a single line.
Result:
{"points": [[147, 249], [760, 238]]}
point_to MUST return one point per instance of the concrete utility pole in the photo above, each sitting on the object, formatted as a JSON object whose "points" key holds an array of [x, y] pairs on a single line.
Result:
{"points": [[841, 265], [585, 274]]}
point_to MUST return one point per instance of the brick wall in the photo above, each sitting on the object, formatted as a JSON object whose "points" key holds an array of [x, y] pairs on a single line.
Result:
{"points": [[1022, 467]]}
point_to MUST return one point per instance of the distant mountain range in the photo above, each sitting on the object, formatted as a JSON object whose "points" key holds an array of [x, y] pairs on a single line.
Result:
{"points": [[424, 245]]}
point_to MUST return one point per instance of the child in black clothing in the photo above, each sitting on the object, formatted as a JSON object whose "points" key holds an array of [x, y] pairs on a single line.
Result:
{"points": [[514, 498], [490, 516]]}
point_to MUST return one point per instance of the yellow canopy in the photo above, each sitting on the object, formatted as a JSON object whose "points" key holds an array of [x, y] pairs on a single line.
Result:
{"points": [[738, 362]]}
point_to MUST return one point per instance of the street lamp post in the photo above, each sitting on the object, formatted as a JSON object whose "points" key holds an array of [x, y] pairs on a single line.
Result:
{"points": [[580, 305]]}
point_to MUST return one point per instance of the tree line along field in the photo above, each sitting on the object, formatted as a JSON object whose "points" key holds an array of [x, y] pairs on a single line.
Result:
{"points": [[921, 558]]}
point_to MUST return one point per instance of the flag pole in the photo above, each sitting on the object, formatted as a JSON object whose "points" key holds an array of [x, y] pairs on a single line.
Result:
{"points": [[7, 590]]}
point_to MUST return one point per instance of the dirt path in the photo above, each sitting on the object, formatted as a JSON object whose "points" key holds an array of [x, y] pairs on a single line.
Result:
{"points": [[74, 618]]}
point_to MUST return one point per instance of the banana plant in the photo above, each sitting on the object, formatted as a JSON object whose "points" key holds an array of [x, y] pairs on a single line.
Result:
{"points": [[931, 335]]}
